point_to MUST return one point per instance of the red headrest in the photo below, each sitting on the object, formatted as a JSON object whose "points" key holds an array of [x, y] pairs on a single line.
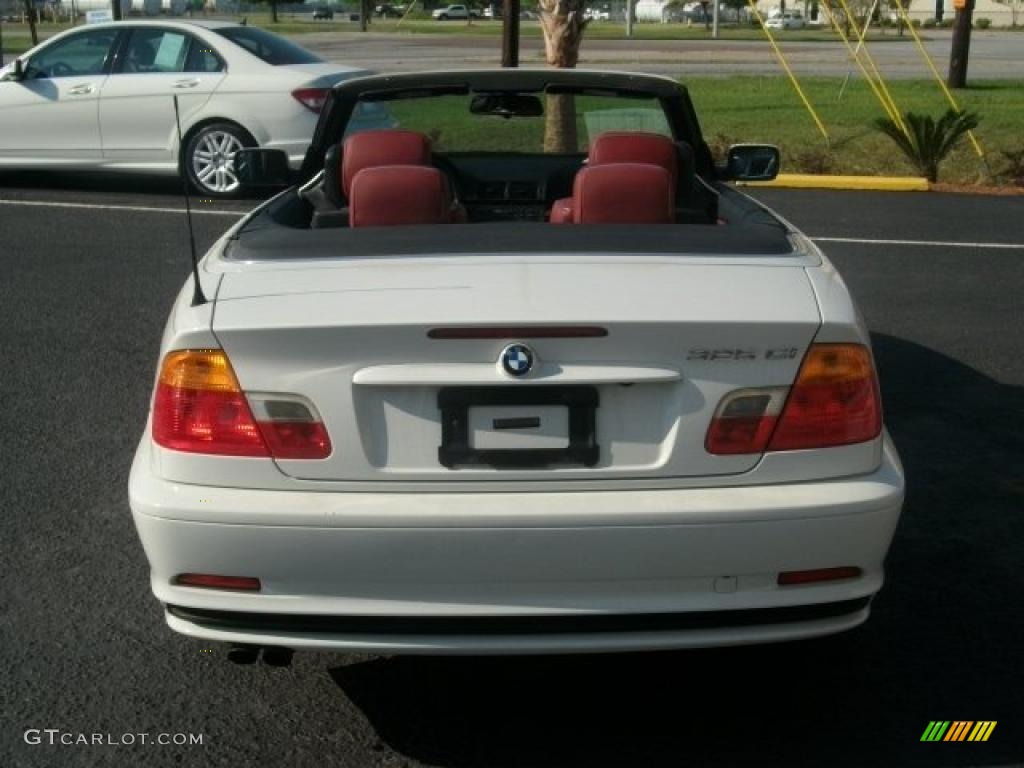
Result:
{"points": [[369, 149], [635, 147], [623, 193], [399, 194]]}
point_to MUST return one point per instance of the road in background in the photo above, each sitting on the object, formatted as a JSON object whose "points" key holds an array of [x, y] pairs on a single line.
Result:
{"points": [[85, 293], [994, 55]]}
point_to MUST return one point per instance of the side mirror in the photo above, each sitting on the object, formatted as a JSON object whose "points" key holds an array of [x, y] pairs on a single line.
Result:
{"points": [[261, 167], [17, 73], [750, 162]]}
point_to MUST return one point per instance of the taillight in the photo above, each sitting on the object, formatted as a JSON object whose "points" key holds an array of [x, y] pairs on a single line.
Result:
{"points": [[835, 400], [199, 407], [291, 427], [312, 99], [744, 421]]}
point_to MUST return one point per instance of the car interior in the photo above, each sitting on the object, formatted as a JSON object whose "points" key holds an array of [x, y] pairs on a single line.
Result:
{"points": [[393, 177]]}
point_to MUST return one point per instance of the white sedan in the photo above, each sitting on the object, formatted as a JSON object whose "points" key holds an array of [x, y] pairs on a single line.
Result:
{"points": [[459, 394], [100, 97]]}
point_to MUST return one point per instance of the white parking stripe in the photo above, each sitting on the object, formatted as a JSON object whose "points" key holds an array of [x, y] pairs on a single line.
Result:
{"points": [[147, 209], [939, 243]]}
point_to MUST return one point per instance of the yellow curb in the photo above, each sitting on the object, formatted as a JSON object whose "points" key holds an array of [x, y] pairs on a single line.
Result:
{"points": [[812, 181]]}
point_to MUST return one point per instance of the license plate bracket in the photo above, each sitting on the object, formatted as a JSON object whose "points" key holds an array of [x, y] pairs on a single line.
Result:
{"points": [[456, 450]]}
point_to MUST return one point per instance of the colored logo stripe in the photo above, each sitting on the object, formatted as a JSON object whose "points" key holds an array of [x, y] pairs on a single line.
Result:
{"points": [[982, 730], [958, 730]]}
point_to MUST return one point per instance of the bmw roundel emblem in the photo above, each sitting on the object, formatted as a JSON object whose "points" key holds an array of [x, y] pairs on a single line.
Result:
{"points": [[517, 359]]}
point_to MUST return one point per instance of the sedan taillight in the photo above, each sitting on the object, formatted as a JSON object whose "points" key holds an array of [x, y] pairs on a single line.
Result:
{"points": [[312, 99], [834, 401], [199, 407]]}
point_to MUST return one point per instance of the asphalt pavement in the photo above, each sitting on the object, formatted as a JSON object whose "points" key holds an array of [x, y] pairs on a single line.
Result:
{"points": [[86, 280]]}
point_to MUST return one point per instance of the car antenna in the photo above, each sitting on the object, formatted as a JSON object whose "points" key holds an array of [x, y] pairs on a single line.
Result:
{"points": [[197, 294]]}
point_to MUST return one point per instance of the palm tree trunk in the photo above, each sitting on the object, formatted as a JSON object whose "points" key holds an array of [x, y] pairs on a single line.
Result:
{"points": [[563, 24]]}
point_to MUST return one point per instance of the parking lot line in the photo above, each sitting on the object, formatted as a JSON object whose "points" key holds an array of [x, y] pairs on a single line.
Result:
{"points": [[133, 208], [933, 243]]}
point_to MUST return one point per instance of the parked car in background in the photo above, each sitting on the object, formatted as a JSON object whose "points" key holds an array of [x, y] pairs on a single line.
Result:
{"points": [[454, 12], [597, 14], [100, 97], [787, 20], [386, 11], [493, 11], [323, 12], [452, 393]]}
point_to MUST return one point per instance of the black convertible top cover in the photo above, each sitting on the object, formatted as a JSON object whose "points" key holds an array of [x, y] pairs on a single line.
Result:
{"points": [[257, 242]]}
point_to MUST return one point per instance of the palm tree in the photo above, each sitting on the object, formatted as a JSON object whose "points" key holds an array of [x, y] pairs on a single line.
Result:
{"points": [[563, 24], [927, 142]]}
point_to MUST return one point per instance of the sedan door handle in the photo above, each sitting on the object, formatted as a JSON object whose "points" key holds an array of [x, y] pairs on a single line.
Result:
{"points": [[81, 90], [190, 83]]}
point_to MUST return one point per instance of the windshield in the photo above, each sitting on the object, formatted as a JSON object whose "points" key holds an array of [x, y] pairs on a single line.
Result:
{"points": [[274, 50], [452, 127]]}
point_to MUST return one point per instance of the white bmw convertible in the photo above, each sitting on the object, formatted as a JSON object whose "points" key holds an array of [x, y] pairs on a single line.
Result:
{"points": [[456, 394]]}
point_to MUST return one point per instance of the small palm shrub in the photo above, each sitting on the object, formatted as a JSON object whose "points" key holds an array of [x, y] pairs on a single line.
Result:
{"points": [[929, 141], [983, 23]]}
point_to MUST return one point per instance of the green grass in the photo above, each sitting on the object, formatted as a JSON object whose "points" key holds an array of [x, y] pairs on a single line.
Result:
{"points": [[767, 109]]}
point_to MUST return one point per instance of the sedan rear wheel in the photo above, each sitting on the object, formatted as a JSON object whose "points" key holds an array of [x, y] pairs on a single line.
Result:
{"points": [[208, 159]]}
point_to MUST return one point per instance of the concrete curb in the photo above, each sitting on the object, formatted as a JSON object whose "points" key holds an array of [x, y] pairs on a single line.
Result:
{"points": [[878, 183]]}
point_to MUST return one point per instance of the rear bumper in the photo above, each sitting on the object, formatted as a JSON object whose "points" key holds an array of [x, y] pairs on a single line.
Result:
{"points": [[518, 573]]}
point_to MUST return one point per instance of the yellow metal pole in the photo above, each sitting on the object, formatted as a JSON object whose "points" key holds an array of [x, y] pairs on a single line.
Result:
{"points": [[938, 78], [893, 115], [405, 15], [874, 67], [792, 77]]}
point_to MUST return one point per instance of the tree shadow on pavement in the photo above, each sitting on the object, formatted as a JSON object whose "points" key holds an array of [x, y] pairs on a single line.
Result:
{"points": [[944, 641]]}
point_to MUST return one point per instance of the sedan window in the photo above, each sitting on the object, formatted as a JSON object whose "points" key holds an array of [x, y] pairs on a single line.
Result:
{"points": [[78, 55], [274, 50], [155, 50], [202, 58]]}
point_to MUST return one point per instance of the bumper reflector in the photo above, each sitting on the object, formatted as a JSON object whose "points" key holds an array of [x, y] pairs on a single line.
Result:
{"points": [[212, 581]]}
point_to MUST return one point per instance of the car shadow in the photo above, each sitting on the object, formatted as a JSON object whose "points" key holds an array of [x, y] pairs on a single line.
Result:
{"points": [[107, 182], [943, 643]]}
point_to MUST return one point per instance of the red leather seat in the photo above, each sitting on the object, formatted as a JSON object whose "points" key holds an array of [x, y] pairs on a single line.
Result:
{"points": [[636, 147], [370, 149], [624, 147], [391, 195], [623, 193], [366, 150]]}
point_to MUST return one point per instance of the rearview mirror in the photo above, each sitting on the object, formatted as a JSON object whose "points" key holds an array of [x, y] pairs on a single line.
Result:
{"points": [[261, 167], [506, 105], [751, 162]]}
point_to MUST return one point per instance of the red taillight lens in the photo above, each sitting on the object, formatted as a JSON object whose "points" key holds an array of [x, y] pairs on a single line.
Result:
{"points": [[312, 99], [212, 581], [744, 421], [291, 427], [200, 408], [793, 578], [835, 400]]}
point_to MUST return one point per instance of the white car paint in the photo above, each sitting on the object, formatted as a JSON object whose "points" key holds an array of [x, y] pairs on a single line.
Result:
{"points": [[125, 122], [661, 527]]}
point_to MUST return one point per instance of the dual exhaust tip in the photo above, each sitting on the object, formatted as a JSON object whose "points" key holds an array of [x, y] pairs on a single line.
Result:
{"points": [[273, 656]]}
